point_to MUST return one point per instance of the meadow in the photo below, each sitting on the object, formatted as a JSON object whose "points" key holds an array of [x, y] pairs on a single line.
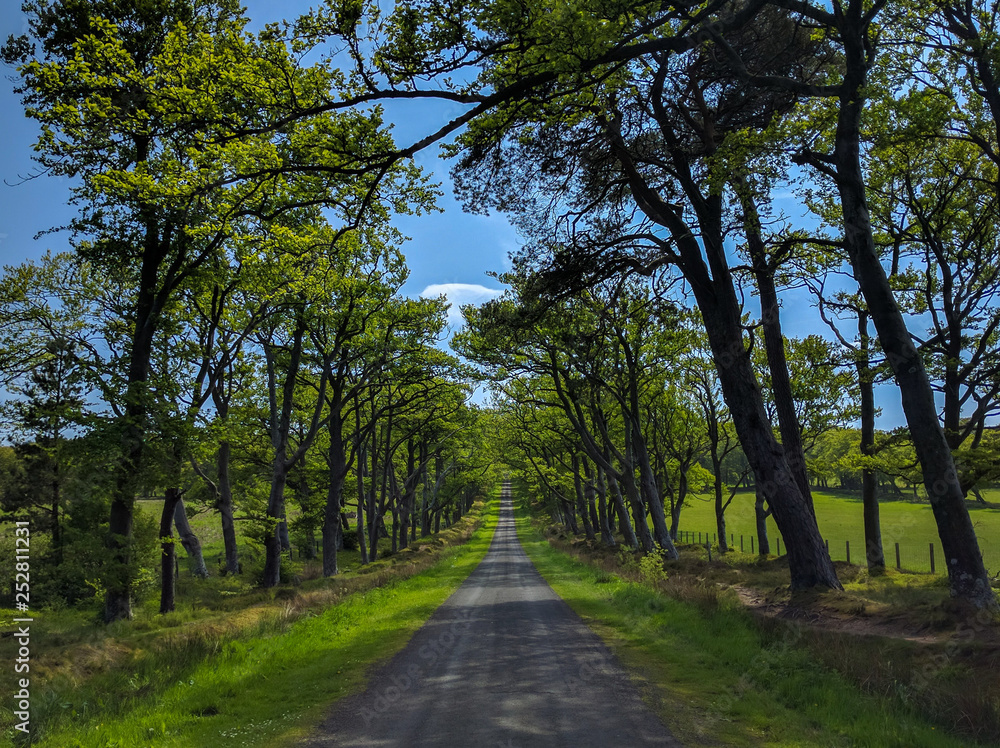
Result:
{"points": [[839, 513]]}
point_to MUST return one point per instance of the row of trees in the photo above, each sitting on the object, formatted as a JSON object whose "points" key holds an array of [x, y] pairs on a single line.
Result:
{"points": [[659, 134], [232, 310], [615, 410], [623, 137], [323, 398]]}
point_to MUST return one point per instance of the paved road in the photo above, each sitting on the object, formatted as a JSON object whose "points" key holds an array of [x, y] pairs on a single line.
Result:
{"points": [[503, 663]]}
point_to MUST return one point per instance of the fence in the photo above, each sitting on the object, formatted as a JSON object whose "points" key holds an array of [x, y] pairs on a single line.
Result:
{"points": [[909, 555]]}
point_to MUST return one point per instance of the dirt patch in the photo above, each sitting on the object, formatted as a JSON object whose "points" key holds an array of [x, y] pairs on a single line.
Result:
{"points": [[861, 623]]}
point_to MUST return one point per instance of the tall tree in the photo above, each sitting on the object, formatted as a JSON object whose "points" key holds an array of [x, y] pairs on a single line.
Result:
{"points": [[163, 114]]}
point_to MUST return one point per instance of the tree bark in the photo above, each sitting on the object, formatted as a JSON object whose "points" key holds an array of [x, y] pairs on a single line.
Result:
{"points": [[624, 521], [874, 554], [760, 514], [607, 536], [337, 464], [774, 344], [167, 550], [967, 574], [720, 504], [649, 490], [226, 509], [189, 540], [588, 527], [714, 290]]}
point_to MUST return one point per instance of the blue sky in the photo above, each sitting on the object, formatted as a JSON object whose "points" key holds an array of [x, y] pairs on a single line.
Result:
{"points": [[449, 252]]}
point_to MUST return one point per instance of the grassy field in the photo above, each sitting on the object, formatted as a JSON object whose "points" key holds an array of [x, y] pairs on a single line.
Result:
{"points": [[719, 678], [911, 524], [258, 669]]}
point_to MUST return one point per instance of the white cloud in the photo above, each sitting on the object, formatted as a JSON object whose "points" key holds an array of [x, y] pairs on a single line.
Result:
{"points": [[460, 294]]}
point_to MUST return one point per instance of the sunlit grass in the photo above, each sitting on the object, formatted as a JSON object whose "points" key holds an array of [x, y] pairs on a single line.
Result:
{"points": [[718, 678], [839, 513], [258, 674]]}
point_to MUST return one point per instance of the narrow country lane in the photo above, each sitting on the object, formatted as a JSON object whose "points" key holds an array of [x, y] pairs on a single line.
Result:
{"points": [[503, 663]]}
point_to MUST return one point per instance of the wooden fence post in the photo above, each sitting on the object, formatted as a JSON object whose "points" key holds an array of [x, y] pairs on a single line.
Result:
{"points": [[898, 567], [932, 558]]}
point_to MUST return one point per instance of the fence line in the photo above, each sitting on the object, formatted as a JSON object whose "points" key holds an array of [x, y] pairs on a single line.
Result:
{"points": [[916, 560]]}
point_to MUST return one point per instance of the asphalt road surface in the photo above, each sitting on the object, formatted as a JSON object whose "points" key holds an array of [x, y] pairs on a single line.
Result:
{"points": [[503, 663]]}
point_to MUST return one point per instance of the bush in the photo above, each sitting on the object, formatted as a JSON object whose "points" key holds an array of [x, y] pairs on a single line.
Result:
{"points": [[651, 566]]}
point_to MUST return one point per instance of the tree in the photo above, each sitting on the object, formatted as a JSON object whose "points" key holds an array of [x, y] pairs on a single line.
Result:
{"points": [[629, 158], [702, 381], [163, 114], [52, 406], [853, 28]]}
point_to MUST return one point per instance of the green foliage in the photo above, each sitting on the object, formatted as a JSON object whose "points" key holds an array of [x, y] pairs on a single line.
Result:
{"points": [[742, 683], [651, 567], [169, 694]]}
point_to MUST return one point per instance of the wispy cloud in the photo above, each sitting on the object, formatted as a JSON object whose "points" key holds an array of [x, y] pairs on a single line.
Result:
{"points": [[459, 294]]}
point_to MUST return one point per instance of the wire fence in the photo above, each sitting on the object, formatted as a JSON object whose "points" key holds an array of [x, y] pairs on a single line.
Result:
{"points": [[903, 554]]}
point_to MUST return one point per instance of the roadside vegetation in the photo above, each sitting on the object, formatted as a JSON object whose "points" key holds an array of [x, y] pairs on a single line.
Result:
{"points": [[720, 674], [227, 334], [247, 668]]}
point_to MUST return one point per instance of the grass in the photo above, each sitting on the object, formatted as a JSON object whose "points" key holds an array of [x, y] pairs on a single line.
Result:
{"points": [[260, 673], [718, 677], [839, 513]]}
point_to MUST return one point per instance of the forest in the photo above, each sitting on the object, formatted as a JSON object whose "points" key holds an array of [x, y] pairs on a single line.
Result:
{"points": [[226, 342]]}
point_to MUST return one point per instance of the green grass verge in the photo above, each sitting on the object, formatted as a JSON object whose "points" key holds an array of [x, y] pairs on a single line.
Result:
{"points": [[839, 513], [272, 688], [718, 678]]}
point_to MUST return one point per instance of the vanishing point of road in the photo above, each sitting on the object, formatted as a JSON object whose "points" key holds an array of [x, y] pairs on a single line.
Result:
{"points": [[503, 663]]}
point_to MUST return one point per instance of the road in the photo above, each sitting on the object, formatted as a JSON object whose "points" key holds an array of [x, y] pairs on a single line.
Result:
{"points": [[503, 663]]}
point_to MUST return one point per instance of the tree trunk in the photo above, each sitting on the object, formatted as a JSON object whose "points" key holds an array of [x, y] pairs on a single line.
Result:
{"points": [[774, 344], [760, 513], [869, 488], [648, 489], [118, 579], [624, 521], [720, 504], [714, 290], [675, 518], [425, 516], [589, 494], [337, 464], [588, 527], [189, 540], [967, 575], [808, 560], [283, 537], [607, 537], [167, 550], [643, 535], [276, 512], [280, 423], [225, 506]]}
